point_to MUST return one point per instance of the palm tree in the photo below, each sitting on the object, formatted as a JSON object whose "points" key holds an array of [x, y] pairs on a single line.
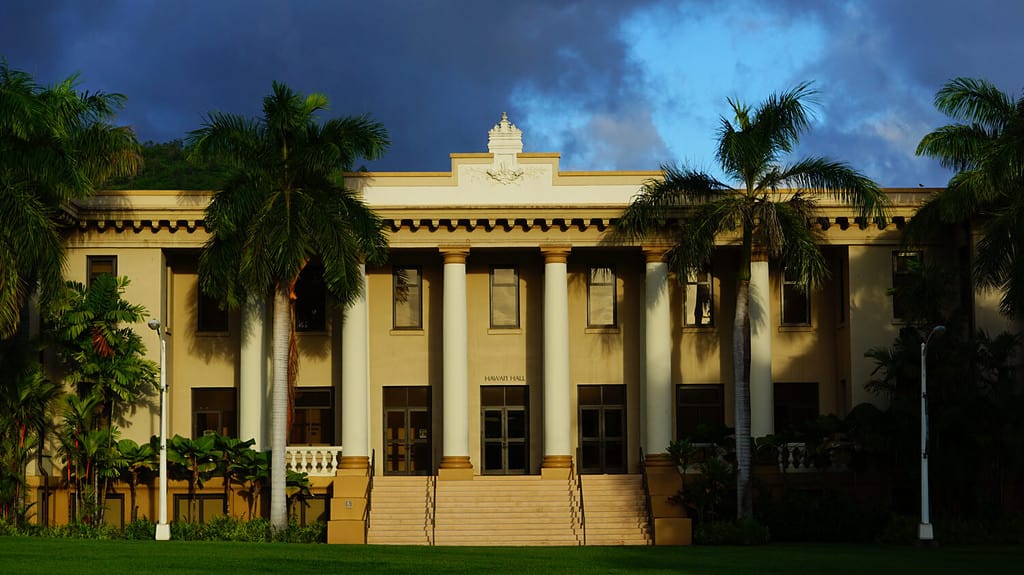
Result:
{"points": [[771, 209], [986, 149], [285, 207], [56, 145], [136, 459]]}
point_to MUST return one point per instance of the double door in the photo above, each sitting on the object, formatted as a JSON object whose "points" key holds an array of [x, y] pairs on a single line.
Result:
{"points": [[407, 442], [602, 428], [505, 429]]}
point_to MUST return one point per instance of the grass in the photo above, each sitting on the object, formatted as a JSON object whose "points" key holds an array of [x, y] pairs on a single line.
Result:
{"points": [[30, 555]]}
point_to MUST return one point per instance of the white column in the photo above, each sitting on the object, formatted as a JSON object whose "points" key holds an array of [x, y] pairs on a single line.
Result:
{"points": [[252, 374], [355, 382], [761, 402], [455, 407], [657, 354], [557, 393]]}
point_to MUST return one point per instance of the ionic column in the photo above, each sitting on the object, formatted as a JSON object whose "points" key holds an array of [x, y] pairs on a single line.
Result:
{"points": [[252, 374], [761, 409], [455, 460], [557, 392], [355, 381], [657, 356]]}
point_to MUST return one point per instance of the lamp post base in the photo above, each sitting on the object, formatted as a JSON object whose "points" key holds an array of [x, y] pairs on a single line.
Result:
{"points": [[163, 531], [924, 532]]}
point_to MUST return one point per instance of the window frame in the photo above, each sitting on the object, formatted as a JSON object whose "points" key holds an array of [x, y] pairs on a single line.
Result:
{"points": [[303, 305], [679, 405], [396, 295], [693, 279], [591, 269], [899, 272], [801, 286], [326, 431], [515, 284], [91, 261], [207, 306], [232, 429]]}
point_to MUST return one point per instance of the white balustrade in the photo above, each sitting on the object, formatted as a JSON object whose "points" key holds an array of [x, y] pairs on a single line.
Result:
{"points": [[314, 460]]}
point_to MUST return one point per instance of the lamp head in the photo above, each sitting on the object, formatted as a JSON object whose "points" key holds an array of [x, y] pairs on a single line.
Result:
{"points": [[154, 324], [938, 330]]}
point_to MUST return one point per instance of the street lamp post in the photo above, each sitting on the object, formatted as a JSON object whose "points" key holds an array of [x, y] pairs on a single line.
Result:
{"points": [[163, 529], [924, 531]]}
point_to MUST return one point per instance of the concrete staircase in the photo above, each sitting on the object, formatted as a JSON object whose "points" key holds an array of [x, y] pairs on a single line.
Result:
{"points": [[615, 510], [507, 511], [400, 512]]}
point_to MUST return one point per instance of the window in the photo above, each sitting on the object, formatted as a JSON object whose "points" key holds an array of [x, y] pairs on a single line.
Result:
{"points": [[214, 410], [796, 299], [407, 291], [504, 297], [313, 417], [601, 296], [98, 265], [796, 404], [698, 300], [309, 509], [210, 317], [699, 408], [202, 509], [903, 265], [311, 300]]}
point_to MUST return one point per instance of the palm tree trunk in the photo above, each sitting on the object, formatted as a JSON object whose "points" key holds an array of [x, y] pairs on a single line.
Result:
{"points": [[741, 382], [279, 406]]}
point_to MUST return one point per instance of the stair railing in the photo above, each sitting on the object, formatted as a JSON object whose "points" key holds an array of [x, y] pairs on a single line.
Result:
{"points": [[432, 507], [574, 474], [647, 493], [369, 494]]}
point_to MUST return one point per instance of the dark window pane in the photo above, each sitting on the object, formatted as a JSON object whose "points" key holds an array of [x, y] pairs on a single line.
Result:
{"points": [[516, 424], [517, 456], [515, 395], [492, 424], [613, 454], [698, 406], [590, 424], [311, 300], [612, 423], [614, 394], [419, 396], [394, 397], [408, 298], [214, 410], [209, 314], [589, 394], [492, 456], [795, 404], [493, 395]]}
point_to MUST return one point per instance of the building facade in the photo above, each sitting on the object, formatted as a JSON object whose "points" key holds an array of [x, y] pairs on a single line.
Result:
{"points": [[508, 334]]}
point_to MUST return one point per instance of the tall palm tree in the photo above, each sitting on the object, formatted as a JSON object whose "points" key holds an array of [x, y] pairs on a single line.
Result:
{"points": [[284, 207], [986, 149], [56, 145], [770, 210]]}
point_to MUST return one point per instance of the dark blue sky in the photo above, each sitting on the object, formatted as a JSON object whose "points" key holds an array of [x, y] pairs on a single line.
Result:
{"points": [[610, 84]]}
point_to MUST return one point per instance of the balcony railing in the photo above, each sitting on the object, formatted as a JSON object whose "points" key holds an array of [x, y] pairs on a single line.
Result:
{"points": [[314, 460]]}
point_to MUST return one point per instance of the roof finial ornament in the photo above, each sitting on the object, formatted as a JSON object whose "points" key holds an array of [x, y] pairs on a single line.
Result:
{"points": [[505, 142]]}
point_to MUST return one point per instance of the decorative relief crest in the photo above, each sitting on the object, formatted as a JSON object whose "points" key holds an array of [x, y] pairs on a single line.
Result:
{"points": [[504, 174]]}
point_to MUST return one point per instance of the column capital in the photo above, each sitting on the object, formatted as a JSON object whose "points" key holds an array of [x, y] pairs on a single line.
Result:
{"points": [[655, 253], [555, 254], [454, 254]]}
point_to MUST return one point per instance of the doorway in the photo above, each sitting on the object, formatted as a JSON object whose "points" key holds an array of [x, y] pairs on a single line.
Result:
{"points": [[505, 425], [407, 443], [602, 428]]}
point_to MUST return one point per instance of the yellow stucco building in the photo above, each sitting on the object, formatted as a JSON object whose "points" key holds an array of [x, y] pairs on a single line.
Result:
{"points": [[506, 336]]}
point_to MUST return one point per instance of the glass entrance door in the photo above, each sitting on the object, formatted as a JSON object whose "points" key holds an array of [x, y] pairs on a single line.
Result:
{"points": [[407, 444], [602, 428], [505, 425]]}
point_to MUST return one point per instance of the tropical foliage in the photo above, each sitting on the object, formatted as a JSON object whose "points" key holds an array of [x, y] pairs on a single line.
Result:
{"points": [[986, 149], [283, 209], [165, 166], [769, 213], [56, 145]]}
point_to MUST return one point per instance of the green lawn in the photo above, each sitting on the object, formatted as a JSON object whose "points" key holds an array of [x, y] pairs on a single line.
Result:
{"points": [[24, 555]]}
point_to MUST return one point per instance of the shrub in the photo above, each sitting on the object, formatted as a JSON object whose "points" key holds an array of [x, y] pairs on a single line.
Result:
{"points": [[741, 532], [828, 516], [140, 530]]}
